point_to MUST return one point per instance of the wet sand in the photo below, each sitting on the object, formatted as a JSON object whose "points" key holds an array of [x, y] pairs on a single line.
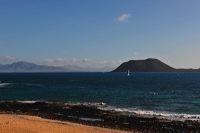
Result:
{"points": [[32, 124]]}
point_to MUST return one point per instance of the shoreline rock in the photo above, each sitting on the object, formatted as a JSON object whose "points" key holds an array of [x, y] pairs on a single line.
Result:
{"points": [[92, 115]]}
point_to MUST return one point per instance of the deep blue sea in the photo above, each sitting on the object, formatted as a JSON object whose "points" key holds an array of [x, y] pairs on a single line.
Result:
{"points": [[163, 92]]}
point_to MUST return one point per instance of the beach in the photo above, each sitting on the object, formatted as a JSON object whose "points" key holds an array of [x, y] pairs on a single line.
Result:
{"points": [[61, 116], [32, 124], [167, 103]]}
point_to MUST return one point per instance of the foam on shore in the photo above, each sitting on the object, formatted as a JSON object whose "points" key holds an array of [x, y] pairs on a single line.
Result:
{"points": [[133, 111], [157, 114]]}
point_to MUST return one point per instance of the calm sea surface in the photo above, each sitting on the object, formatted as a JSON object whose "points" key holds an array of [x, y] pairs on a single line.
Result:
{"points": [[169, 92]]}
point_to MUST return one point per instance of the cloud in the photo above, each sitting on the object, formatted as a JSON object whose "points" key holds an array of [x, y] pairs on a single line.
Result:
{"points": [[85, 63], [123, 18], [66, 61], [7, 59]]}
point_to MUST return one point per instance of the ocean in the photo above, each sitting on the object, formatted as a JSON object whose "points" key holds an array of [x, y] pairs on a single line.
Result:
{"points": [[167, 94]]}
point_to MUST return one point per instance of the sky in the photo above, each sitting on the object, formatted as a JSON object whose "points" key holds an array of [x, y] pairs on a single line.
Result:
{"points": [[100, 32]]}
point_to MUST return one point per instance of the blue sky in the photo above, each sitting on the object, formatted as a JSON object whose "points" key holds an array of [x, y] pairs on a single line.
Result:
{"points": [[100, 32]]}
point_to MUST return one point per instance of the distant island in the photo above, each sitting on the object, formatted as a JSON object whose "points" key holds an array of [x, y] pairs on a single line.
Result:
{"points": [[22, 66], [149, 65], [27, 67]]}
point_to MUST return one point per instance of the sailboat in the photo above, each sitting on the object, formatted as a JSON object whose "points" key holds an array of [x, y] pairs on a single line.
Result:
{"points": [[128, 72]]}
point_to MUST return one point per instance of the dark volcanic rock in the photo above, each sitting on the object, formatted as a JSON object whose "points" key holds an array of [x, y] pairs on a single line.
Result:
{"points": [[91, 115], [148, 65]]}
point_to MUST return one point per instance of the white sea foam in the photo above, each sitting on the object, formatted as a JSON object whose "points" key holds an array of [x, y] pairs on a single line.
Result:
{"points": [[31, 102], [97, 104], [157, 114], [90, 119], [4, 84], [137, 112]]}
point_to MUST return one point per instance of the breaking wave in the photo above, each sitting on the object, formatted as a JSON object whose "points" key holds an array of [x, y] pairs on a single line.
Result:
{"points": [[135, 111], [157, 114], [4, 84]]}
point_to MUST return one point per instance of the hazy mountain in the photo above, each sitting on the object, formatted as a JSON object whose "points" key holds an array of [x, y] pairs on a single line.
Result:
{"points": [[29, 67], [149, 65]]}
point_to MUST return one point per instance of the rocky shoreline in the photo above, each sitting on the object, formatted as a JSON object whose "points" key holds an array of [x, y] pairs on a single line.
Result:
{"points": [[92, 115]]}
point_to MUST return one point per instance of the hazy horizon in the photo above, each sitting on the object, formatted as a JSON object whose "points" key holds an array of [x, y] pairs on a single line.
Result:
{"points": [[100, 33]]}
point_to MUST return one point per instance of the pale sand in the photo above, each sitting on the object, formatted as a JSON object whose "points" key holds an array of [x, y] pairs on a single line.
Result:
{"points": [[32, 124]]}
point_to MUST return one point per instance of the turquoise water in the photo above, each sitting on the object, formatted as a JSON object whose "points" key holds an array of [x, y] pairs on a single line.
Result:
{"points": [[168, 92]]}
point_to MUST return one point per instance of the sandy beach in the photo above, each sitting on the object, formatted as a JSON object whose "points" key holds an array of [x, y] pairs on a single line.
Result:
{"points": [[32, 124]]}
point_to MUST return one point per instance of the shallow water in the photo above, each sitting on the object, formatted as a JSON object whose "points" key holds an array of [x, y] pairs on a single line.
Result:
{"points": [[157, 92]]}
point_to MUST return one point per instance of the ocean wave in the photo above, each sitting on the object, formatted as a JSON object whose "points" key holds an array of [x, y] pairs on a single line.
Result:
{"points": [[97, 104], [133, 111], [31, 102], [4, 84], [90, 119], [157, 114], [33, 85]]}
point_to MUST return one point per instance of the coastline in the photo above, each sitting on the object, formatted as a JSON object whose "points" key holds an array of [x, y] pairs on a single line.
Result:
{"points": [[90, 114], [33, 124]]}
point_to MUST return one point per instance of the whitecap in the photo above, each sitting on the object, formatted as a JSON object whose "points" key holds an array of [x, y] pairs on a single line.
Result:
{"points": [[4, 84], [29, 102]]}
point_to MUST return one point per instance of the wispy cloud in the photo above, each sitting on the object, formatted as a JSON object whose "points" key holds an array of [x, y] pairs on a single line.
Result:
{"points": [[7, 59], [85, 62], [123, 17]]}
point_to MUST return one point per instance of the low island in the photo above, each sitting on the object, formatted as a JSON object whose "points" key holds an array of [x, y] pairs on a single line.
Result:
{"points": [[149, 65]]}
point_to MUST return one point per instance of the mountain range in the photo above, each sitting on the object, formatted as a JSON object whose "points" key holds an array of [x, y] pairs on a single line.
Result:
{"points": [[22, 66]]}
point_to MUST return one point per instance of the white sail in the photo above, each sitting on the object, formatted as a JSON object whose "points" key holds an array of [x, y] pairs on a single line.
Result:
{"points": [[128, 73]]}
